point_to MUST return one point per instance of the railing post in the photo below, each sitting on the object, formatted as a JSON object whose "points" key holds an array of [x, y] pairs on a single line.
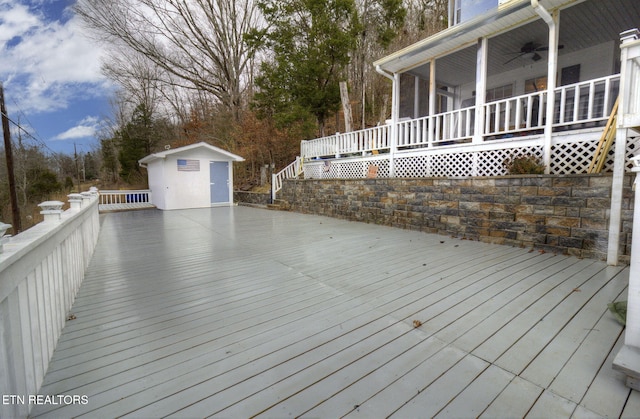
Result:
{"points": [[3, 229], [52, 210], [86, 197], [274, 179], [615, 219], [75, 200], [628, 358]]}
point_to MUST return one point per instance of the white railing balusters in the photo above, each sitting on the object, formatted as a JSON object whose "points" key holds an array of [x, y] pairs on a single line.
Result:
{"points": [[124, 197], [41, 270], [578, 103]]}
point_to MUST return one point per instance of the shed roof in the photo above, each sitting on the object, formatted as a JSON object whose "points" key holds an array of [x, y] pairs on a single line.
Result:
{"points": [[163, 154]]}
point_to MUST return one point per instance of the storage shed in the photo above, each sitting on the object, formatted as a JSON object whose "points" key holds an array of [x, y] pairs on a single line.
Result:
{"points": [[195, 176]]}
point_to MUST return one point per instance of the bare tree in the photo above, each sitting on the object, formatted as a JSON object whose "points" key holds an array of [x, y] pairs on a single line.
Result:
{"points": [[199, 42], [140, 80], [389, 25]]}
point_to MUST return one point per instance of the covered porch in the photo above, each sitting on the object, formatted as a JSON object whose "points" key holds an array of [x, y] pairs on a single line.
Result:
{"points": [[527, 78], [238, 311]]}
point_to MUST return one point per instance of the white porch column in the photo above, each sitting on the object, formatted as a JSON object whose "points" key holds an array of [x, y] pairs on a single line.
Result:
{"points": [[395, 114], [416, 97], [615, 219], [628, 359], [481, 88], [553, 21], [395, 117], [433, 96]]}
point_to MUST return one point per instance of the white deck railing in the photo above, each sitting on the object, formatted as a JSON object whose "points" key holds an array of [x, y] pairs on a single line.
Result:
{"points": [[576, 105], [362, 141], [293, 170], [41, 270], [586, 102], [125, 197], [521, 113]]}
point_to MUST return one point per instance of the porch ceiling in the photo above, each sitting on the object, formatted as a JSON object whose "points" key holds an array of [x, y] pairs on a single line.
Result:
{"points": [[582, 25]]}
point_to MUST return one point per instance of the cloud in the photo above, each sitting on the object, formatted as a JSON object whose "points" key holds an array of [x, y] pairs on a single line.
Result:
{"points": [[84, 129], [46, 63]]}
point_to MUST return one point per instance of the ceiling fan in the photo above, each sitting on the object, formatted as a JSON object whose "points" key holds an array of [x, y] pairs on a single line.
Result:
{"points": [[532, 49]]}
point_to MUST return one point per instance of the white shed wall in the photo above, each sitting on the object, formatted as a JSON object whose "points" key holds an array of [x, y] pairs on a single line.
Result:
{"points": [[173, 189], [155, 172]]}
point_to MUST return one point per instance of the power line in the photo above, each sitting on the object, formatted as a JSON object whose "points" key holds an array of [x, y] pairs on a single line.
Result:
{"points": [[24, 130], [41, 143], [21, 112]]}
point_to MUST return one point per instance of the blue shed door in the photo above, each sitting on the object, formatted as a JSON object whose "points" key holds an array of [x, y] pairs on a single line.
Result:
{"points": [[219, 181]]}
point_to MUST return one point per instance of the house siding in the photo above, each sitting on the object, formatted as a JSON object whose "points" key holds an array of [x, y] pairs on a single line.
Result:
{"points": [[560, 214]]}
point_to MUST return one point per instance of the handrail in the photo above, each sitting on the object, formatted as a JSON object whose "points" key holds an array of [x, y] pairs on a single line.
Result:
{"points": [[293, 170]]}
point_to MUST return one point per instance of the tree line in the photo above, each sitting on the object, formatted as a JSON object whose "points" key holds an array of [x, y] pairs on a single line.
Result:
{"points": [[252, 77]]}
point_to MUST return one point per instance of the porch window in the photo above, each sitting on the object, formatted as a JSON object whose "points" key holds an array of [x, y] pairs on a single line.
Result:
{"points": [[493, 95], [465, 10], [498, 93]]}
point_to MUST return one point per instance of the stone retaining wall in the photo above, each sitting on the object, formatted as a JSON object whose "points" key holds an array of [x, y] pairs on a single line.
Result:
{"points": [[560, 214], [251, 197]]}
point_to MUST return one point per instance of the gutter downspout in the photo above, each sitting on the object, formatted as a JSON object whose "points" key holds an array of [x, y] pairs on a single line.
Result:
{"points": [[552, 69], [395, 94]]}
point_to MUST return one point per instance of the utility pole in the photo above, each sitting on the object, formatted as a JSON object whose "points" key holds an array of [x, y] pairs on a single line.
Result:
{"points": [[75, 158], [15, 211]]}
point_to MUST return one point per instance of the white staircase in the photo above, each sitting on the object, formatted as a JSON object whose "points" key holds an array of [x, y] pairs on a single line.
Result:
{"points": [[292, 171]]}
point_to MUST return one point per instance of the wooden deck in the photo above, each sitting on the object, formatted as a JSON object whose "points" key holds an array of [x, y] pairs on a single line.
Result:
{"points": [[235, 312]]}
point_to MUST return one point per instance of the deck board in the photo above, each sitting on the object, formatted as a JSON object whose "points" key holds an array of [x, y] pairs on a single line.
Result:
{"points": [[125, 206], [241, 311]]}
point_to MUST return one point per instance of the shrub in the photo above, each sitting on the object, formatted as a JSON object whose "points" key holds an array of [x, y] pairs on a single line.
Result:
{"points": [[524, 165]]}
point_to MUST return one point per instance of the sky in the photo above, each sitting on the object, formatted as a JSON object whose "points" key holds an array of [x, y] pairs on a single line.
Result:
{"points": [[50, 70]]}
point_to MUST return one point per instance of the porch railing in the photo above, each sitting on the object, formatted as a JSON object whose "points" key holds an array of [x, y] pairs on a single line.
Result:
{"points": [[577, 105], [522, 113], [367, 140], [586, 102]]}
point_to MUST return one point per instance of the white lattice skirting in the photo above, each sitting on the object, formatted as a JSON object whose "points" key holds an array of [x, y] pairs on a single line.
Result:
{"points": [[566, 158]]}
